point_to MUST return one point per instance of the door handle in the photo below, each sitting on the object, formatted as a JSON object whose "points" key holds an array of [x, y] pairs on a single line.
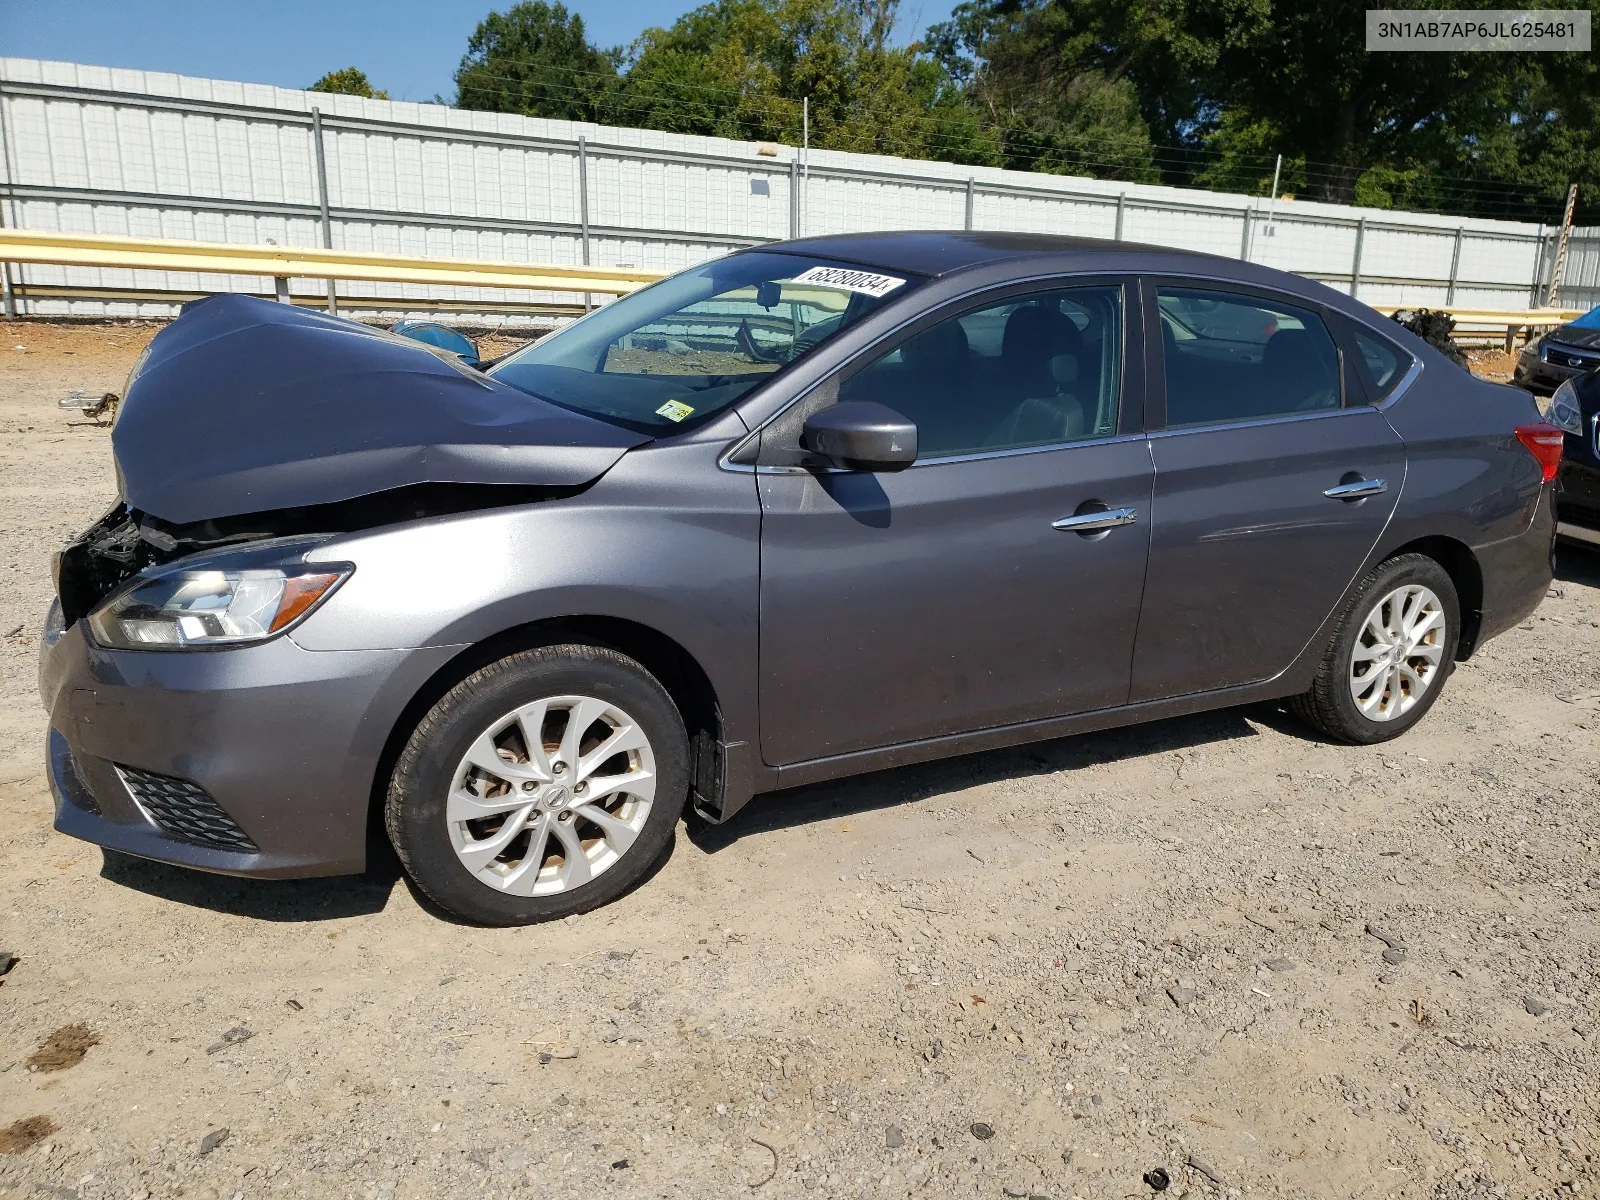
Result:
{"points": [[1357, 489], [1093, 522]]}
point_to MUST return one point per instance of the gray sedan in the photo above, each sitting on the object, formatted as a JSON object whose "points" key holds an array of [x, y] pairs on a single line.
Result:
{"points": [[808, 510]]}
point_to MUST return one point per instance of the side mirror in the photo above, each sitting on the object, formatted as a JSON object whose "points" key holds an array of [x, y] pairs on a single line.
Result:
{"points": [[860, 435], [440, 336]]}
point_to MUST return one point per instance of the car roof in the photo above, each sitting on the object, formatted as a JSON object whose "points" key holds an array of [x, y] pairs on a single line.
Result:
{"points": [[935, 253], [941, 252]]}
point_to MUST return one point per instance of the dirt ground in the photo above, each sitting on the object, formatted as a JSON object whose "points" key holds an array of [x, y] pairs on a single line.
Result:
{"points": [[1216, 946]]}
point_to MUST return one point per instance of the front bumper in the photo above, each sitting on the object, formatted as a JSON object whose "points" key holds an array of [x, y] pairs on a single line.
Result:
{"points": [[1542, 377], [1578, 501], [254, 761]]}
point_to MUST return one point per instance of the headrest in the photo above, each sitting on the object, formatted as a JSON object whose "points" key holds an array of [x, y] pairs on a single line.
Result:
{"points": [[1064, 369], [937, 350], [1035, 332]]}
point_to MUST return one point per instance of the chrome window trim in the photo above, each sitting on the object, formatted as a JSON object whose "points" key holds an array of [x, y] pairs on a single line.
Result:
{"points": [[1123, 280], [942, 460], [1257, 422], [1397, 391]]}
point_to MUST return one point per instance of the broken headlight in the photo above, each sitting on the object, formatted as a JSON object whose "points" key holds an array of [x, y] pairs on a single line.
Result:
{"points": [[202, 607]]}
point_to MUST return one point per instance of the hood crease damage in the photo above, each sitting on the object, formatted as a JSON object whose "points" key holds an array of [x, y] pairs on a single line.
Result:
{"points": [[248, 419]]}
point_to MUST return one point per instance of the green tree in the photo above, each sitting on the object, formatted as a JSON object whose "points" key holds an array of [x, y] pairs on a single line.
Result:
{"points": [[741, 68], [1224, 86], [737, 69], [352, 81], [535, 59]]}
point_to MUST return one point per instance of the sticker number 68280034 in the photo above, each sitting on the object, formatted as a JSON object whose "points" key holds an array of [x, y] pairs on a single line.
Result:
{"points": [[849, 279]]}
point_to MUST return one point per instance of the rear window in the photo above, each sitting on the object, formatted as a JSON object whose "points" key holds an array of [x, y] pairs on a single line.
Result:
{"points": [[680, 351]]}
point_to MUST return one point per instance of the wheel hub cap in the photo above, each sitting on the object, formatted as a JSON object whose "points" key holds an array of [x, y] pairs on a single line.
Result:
{"points": [[517, 829], [1398, 652]]}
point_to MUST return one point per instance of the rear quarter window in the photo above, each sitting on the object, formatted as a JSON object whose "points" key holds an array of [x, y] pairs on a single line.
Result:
{"points": [[1385, 363]]}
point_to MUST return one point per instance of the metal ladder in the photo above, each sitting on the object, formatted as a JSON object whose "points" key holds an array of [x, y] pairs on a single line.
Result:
{"points": [[1560, 268]]}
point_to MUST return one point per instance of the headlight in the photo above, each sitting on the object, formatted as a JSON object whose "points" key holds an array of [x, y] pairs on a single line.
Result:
{"points": [[212, 607], [1563, 410]]}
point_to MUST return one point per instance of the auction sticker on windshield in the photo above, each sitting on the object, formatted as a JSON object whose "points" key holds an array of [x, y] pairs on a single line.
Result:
{"points": [[674, 410], [868, 283]]}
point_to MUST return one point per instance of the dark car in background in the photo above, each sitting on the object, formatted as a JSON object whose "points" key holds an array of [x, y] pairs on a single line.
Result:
{"points": [[1574, 408], [805, 511], [1565, 352]]}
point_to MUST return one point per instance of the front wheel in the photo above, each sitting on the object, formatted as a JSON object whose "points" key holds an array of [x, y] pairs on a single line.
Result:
{"points": [[1394, 648], [544, 784]]}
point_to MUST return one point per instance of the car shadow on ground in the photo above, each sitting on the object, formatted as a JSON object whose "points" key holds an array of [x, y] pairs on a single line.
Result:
{"points": [[1578, 564], [898, 785], [261, 899]]}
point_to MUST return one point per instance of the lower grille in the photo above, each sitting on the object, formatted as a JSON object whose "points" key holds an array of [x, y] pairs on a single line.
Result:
{"points": [[185, 810]]}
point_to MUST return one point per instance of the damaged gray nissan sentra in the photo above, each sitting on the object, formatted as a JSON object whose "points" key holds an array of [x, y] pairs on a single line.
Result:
{"points": [[801, 512]]}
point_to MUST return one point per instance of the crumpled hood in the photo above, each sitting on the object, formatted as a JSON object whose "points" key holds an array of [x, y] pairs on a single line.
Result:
{"points": [[245, 405]]}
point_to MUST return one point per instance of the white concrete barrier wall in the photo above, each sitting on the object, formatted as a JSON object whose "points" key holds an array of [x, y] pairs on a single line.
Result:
{"points": [[157, 155]]}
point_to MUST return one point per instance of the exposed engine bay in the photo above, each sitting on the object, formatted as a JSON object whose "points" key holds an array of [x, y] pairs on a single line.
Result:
{"points": [[126, 541]]}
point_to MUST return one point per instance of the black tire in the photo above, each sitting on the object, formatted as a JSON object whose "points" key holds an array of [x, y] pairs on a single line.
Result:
{"points": [[1328, 706], [415, 810]]}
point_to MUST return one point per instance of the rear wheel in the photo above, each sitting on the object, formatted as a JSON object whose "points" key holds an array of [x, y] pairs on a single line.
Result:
{"points": [[544, 784], [1394, 648]]}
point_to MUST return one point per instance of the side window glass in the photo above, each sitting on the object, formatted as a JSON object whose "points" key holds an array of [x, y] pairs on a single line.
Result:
{"points": [[1038, 370], [1235, 358], [1384, 364]]}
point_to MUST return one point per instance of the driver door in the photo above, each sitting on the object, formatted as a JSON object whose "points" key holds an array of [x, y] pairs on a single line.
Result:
{"points": [[997, 580]]}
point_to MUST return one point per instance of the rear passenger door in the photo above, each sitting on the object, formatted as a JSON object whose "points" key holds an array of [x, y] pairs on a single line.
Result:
{"points": [[1274, 479]]}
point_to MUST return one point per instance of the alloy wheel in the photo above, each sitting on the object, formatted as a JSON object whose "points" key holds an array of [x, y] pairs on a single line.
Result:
{"points": [[1398, 652], [551, 795]]}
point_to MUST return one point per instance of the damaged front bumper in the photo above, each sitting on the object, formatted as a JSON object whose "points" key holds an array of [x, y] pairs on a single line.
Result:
{"points": [[255, 761]]}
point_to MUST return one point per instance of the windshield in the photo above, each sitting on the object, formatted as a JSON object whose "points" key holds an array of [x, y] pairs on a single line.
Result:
{"points": [[684, 349]]}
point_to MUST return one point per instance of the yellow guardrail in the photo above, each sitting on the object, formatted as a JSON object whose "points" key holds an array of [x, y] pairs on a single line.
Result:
{"points": [[305, 262], [1512, 318]]}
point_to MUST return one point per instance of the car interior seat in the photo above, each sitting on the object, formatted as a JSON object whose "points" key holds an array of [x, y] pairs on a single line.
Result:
{"points": [[1042, 357], [1299, 372]]}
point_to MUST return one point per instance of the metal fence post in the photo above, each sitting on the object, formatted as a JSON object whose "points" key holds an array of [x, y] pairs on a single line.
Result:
{"points": [[1538, 266], [1455, 267], [7, 294], [1244, 238], [794, 197], [322, 201], [1122, 212], [1355, 261], [971, 185], [583, 209]]}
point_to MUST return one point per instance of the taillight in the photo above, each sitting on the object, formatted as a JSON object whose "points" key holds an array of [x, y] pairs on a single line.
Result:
{"points": [[1544, 442]]}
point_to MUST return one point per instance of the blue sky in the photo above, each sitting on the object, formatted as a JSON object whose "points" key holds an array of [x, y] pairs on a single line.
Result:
{"points": [[409, 47]]}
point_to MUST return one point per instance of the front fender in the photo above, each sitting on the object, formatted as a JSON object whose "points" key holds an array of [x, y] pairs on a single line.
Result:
{"points": [[666, 540]]}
